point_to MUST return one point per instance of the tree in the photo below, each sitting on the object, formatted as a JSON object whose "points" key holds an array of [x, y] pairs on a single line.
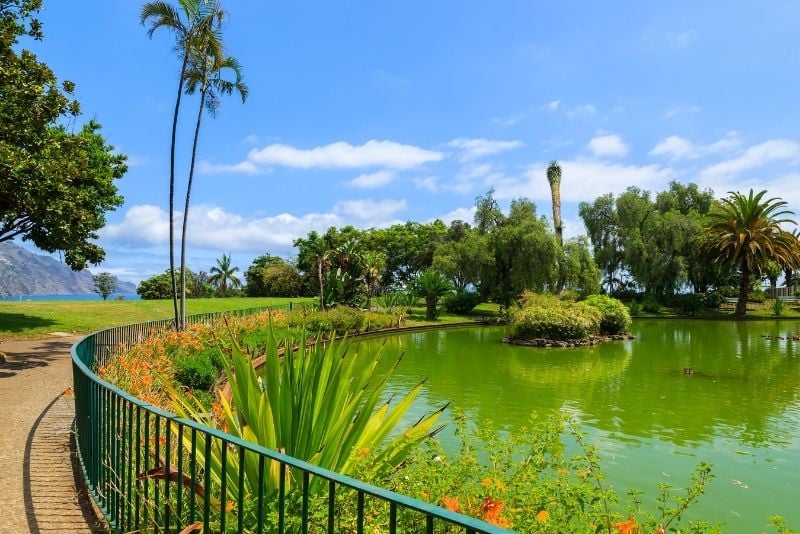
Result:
{"points": [[105, 284], [205, 74], [281, 280], [159, 287], [745, 232], [223, 273], [254, 275], [462, 256], [432, 285], [554, 178], [579, 269], [374, 263], [191, 25], [55, 185]]}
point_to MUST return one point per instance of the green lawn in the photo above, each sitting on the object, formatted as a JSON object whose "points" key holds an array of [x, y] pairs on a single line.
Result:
{"points": [[32, 319]]}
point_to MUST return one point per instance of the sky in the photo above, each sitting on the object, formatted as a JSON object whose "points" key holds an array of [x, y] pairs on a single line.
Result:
{"points": [[373, 113]]}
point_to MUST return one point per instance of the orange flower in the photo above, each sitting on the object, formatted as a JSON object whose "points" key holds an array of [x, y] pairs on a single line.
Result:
{"points": [[451, 503], [491, 510], [487, 482], [543, 516], [660, 529], [627, 527], [363, 451]]}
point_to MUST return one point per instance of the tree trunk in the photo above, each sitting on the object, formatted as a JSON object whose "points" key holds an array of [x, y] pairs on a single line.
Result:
{"points": [[182, 324], [172, 193], [430, 307], [744, 291], [321, 292]]}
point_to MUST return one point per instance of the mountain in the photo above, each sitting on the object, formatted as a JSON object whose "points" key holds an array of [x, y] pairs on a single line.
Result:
{"points": [[25, 273]]}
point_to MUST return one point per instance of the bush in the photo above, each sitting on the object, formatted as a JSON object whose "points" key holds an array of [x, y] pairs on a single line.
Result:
{"points": [[651, 305], [615, 316], [689, 304], [625, 294], [713, 300], [196, 372], [461, 302], [634, 307], [757, 295], [340, 319], [777, 307], [560, 322], [728, 291]]}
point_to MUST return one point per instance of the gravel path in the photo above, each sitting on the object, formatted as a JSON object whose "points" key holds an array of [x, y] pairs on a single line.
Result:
{"points": [[39, 477]]}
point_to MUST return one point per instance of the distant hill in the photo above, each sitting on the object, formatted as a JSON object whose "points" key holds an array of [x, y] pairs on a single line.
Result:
{"points": [[25, 273]]}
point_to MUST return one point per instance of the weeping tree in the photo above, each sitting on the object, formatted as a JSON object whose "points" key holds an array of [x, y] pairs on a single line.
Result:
{"points": [[745, 232]]}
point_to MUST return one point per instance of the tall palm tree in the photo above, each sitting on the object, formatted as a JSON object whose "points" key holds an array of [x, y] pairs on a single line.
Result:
{"points": [[374, 263], [189, 23], [223, 273], [554, 177], [206, 74], [745, 232]]}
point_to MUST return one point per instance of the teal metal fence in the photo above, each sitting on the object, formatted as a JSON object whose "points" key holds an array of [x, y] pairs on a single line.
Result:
{"points": [[151, 471]]}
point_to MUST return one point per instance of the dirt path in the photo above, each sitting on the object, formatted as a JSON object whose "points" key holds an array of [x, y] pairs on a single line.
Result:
{"points": [[37, 470]]}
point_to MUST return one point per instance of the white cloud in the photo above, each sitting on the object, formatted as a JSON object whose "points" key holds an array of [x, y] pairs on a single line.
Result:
{"points": [[678, 148], [582, 180], [472, 149], [369, 210], [458, 214], [553, 105], [608, 145], [754, 157], [680, 110], [344, 155], [243, 167], [372, 180], [143, 224], [251, 139], [582, 112], [508, 121], [431, 183]]}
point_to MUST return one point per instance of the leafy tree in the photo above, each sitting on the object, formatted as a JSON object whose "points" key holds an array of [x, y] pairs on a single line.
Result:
{"points": [[462, 256], [408, 247], [280, 280], [745, 232], [223, 274], [105, 284], [772, 271], [253, 275], [602, 225], [432, 285], [374, 263], [522, 246], [192, 24], [55, 186], [578, 268], [159, 287], [205, 74]]}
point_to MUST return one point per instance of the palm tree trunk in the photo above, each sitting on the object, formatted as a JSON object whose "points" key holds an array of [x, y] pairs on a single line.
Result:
{"points": [[186, 208], [321, 292], [430, 307], [172, 193], [744, 291]]}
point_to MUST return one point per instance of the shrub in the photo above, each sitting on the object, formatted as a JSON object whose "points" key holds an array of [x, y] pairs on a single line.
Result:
{"points": [[615, 316], [634, 307], [461, 302], [728, 291], [713, 300], [651, 305], [757, 295], [625, 294], [340, 319], [689, 304], [560, 322], [196, 372], [777, 307]]}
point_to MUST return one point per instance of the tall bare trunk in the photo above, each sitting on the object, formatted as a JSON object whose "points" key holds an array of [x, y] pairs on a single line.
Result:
{"points": [[172, 193], [744, 292], [186, 208]]}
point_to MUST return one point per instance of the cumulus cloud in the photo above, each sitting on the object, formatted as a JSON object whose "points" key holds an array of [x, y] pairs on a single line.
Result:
{"points": [[754, 157], [344, 155], [553, 105], [608, 145], [372, 180], [582, 180], [582, 112], [472, 149], [243, 167], [458, 214], [369, 210], [143, 224], [677, 148], [430, 183]]}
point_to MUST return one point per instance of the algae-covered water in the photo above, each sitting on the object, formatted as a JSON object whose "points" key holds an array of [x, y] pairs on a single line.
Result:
{"points": [[739, 409]]}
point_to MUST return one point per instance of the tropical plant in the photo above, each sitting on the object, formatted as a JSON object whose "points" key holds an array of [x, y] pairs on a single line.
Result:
{"points": [[745, 232], [554, 178], [224, 273], [205, 74], [616, 318], [316, 403], [432, 285], [547, 317], [191, 24], [373, 265], [777, 307]]}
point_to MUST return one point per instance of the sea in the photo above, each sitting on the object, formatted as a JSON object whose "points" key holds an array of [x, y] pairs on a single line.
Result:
{"points": [[90, 296]]}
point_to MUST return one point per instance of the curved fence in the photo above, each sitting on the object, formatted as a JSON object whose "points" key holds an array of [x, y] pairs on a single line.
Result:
{"points": [[151, 471]]}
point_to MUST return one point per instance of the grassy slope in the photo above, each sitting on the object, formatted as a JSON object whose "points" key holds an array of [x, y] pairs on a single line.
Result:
{"points": [[32, 319]]}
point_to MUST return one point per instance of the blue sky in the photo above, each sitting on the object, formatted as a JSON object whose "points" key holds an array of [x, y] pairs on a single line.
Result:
{"points": [[371, 113]]}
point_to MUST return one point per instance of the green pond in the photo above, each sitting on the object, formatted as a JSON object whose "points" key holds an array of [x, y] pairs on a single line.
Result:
{"points": [[651, 423]]}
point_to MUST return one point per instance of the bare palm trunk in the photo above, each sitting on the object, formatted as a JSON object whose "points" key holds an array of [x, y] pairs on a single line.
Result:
{"points": [[321, 292], [744, 291], [430, 307], [186, 209], [172, 193]]}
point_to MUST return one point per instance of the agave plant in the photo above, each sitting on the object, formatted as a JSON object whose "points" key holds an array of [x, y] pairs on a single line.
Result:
{"points": [[313, 402]]}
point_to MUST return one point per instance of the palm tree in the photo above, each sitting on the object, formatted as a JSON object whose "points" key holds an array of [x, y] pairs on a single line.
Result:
{"points": [[374, 263], [205, 74], [223, 273], [745, 232], [194, 19], [554, 177], [432, 285]]}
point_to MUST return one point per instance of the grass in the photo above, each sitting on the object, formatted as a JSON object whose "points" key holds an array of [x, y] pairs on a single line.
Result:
{"points": [[35, 319]]}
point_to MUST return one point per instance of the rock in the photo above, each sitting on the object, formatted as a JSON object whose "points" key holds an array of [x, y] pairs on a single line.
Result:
{"points": [[2, 358]]}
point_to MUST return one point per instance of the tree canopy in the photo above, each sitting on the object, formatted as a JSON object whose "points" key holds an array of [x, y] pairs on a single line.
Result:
{"points": [[55, 184]]}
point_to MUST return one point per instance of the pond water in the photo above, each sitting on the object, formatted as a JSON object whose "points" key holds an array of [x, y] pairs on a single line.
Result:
{"points": [[651, 423]]}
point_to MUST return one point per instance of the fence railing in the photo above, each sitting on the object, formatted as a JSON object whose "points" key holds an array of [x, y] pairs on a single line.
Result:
{"points": [[149, 470]]}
